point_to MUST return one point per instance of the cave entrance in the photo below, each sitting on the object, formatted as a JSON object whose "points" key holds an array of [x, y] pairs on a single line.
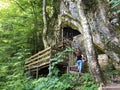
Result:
{"points": [[69, 33], [65, 39]]}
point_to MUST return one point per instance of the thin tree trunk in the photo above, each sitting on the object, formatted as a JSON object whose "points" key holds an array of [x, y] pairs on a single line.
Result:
{"points": [[93, 65], [45, 25]]}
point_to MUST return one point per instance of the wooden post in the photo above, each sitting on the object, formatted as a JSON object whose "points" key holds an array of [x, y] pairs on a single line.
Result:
{"points": [[37, 72], [62, 35], [37, 69], [69, 63], [29, 72], [68, 68], [62, 39], [72, 60]]}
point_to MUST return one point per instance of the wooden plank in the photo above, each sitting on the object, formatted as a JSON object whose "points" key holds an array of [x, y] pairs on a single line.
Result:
{"points": [[47, 49], [40, 52], [43, 59], [40, 65], [39, 61], [47, 53], [38, 57]]}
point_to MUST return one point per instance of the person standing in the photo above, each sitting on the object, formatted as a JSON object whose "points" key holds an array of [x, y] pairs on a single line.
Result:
{"points": [[80, 58], [79, 61]]}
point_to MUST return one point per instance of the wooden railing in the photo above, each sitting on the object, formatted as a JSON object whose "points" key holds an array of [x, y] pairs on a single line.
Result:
{"points": [[39, 59]]}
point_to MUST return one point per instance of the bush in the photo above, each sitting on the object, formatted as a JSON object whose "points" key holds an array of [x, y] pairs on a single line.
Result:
{"points": [[87, 83]]}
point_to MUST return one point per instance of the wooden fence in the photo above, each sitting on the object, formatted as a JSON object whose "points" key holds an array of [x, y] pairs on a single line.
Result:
{"points": [[39, 59]]}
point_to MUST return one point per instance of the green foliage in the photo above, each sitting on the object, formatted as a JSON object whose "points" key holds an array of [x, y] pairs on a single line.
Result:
{"points": [[72, 79], [13, 48], [21, 33], [113, 72], [19, 29], [50, 11], [87, 83], [115, 4], [52, 68], [12, 71], [53, 82], [64, 82]]}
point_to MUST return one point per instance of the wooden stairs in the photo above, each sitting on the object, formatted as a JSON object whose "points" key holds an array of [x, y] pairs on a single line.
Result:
{"points": [[110, 87], [40, 61], [73, 69]]}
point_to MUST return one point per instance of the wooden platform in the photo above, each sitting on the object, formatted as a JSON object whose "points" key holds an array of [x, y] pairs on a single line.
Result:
{"points": [[40, 59]]}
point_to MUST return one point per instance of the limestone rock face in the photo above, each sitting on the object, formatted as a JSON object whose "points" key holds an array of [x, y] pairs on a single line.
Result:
{"points": [[105, 34], [80, 41], [103, 60]]}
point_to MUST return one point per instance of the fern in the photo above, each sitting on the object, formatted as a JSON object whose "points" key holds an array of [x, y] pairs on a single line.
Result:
{"points": [[115, 4]]}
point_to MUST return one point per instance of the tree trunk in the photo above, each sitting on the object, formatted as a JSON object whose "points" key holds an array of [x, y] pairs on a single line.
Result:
{"points": [[45, 25], [90, 52]]}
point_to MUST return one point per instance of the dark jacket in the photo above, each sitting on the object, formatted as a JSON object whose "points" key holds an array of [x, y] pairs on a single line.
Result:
{"points": [[79, 56]]}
